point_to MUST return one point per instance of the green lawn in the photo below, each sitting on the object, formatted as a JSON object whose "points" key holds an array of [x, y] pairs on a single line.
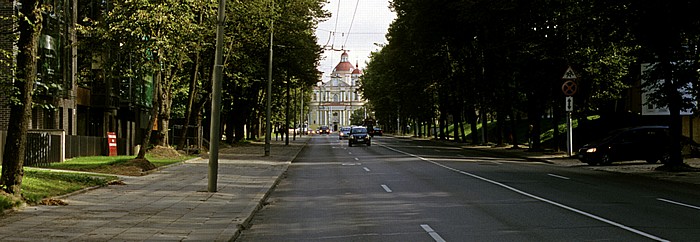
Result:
{"points": [[39, 184]]}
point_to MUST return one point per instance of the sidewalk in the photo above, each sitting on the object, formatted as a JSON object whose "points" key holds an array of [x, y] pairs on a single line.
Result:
{"points": [[560, 158], [641, 168], [170, 204]]}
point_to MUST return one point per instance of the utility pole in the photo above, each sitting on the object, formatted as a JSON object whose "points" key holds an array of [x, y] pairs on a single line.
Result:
{"points": [[268, 112], [286, 118], [215, 135]]}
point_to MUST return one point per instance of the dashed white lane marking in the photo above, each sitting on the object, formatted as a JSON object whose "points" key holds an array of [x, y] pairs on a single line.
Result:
{"points": [[386, 188], [366, 169], [601, 219], [490, 161], [558, 176], [432, 233], [678, 203], [357, 158]]}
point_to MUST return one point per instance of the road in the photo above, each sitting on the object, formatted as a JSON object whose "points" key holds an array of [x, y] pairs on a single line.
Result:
{"points": [[407, 190]]}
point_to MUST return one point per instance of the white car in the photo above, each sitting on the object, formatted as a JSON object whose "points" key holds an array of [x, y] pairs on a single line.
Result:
{"points": [[343, 133]]}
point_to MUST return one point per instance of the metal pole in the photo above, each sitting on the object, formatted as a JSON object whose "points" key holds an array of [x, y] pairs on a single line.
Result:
{"points": [[268, 112], [569, 135], [216, 100], [301, 114], [286, 116]]}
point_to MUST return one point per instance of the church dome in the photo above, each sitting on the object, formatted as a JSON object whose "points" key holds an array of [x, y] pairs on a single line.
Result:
{"points": [[344, 64], [357, 70]]}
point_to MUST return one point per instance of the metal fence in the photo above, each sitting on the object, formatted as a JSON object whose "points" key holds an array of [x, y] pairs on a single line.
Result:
{"points": [[77, 146], [49, 146]]}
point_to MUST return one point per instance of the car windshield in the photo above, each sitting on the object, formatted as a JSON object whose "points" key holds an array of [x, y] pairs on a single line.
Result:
{"points": [[344, 129], [359, 130]]}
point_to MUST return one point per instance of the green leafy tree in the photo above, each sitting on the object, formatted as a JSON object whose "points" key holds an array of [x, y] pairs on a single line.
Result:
{"points": [[29, 28]]}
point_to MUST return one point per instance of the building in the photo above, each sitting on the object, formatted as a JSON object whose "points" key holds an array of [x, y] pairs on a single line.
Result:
{"points": [[85, 100], [334, 101]]}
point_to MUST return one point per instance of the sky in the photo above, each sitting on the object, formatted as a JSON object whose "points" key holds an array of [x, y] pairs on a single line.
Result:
{"points": [[358, 35]]}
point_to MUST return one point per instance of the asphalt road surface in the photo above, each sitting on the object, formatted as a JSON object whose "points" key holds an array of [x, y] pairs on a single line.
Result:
{"points": [[405, 190]]}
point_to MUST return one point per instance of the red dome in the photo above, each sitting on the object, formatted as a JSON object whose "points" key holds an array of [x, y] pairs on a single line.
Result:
{"points": [[357, 70], [343, 66]]}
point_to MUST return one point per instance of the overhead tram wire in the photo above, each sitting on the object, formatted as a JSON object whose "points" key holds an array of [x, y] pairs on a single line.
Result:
{"points": [[335, 29], [357, 3]]}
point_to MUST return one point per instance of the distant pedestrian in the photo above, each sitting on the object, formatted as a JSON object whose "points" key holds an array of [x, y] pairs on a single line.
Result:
{"points": [[277, 132]]}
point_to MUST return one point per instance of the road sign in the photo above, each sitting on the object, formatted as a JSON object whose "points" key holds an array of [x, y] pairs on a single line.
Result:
{"points": [[569, 74], [569, 104], [569, 88]]}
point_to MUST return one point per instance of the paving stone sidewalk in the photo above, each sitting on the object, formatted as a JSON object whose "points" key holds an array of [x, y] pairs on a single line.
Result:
{"points": [[560, 158], [171, 204], [641, 168]]}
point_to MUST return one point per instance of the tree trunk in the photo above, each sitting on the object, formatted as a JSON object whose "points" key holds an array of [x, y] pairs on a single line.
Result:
{"points": [[514, 120], [484, 128], [190, 102], [456, 119], [165, 102], [154, 113], [473, 125], [500, 128], [20, 113]]}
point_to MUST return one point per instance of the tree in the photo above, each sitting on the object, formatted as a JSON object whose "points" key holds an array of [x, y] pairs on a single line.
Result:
{"points": [[668, 31], [29, 28]]}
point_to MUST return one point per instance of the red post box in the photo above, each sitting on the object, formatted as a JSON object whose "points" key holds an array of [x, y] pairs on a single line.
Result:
{"points": [[112, 143]]}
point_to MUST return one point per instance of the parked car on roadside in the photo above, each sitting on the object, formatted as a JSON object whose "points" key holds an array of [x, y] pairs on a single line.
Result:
{"points": [[649, 143], [359, 135], [343, 132]]}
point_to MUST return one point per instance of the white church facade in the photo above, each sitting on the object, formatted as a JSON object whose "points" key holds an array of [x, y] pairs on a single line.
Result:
{"points": [[333, 102]]}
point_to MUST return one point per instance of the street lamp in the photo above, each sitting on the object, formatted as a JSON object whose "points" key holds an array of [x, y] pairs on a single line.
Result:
{"points": [[268, 112]]}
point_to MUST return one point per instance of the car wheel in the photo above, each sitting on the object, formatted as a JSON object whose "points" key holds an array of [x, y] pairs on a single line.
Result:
{"points": [[605, 160], [350, 144]]}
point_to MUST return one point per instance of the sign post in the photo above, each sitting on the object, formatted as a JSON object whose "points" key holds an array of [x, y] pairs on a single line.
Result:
{"points": [[569, 88]]}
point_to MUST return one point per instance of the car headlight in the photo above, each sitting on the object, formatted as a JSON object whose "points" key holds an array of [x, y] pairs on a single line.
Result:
{"points": [[591, 150]]}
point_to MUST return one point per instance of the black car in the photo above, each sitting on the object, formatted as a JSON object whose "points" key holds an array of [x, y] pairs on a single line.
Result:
{"points": [[649, 143], [377, 131], [324, 130], [359, 135]]}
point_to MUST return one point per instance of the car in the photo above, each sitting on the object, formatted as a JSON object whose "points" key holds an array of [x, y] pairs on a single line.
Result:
{"points": [[649, 143], [359, 135], [324, 130], [343, 132], [377, 131]]}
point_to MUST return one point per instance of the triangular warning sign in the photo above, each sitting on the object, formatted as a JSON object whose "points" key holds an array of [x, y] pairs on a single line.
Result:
{"points": [[569, 74]]}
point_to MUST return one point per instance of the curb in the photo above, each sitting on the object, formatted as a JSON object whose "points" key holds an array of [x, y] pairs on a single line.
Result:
{"points": [[261, 203]]}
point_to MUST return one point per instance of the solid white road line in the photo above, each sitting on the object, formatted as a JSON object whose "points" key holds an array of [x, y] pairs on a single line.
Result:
{"points": [[386, 188], [678, 203], [366, 169], [432, 233], [558, 176], [601, 219]]}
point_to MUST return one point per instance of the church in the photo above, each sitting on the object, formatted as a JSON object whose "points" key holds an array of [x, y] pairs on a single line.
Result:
{"points": [[334, 101]]}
